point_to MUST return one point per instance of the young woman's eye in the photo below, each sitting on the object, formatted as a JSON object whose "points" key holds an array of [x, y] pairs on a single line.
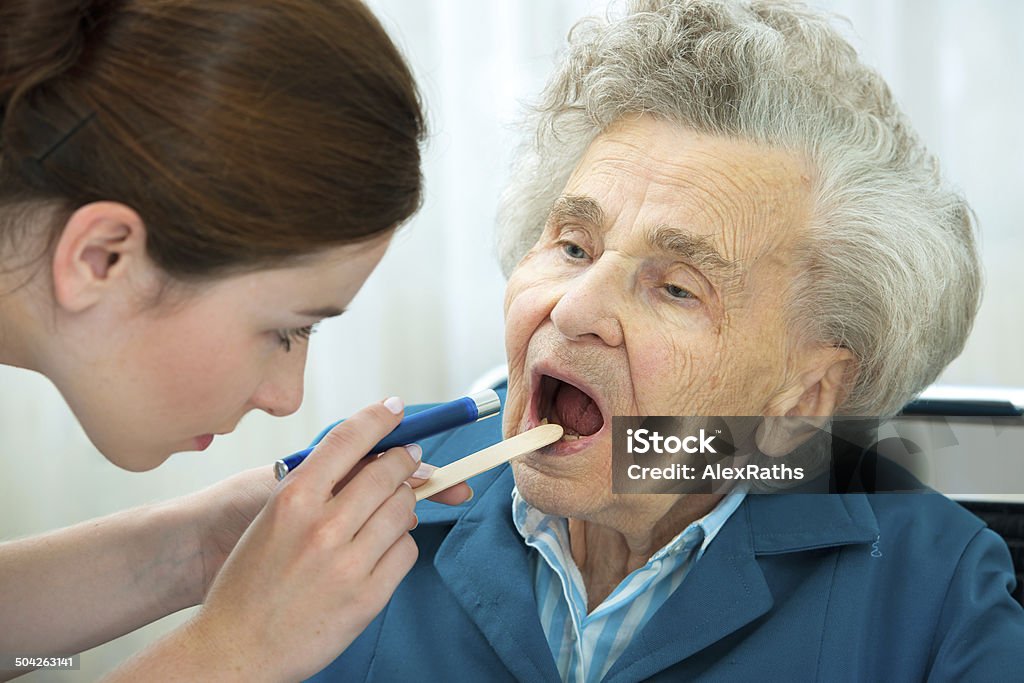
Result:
{"points": [[573, 250], [288, 337], [678, 292]]}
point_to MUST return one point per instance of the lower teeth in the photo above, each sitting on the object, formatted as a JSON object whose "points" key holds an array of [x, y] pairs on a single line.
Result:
{"points": [[566, 436]]}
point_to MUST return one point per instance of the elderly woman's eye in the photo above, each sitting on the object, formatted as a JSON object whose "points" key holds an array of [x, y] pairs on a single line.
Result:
{"points": [[678, 292], [573, 251]]}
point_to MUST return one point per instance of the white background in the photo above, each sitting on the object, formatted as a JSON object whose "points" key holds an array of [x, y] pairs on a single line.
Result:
{"points": [[429, 321]]}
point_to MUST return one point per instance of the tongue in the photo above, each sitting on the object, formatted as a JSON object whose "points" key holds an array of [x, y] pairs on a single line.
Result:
{"points": [[575, 411]]}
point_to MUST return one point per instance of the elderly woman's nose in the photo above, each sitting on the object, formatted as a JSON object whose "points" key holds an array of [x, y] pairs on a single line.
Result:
{"points": [[590, 307]]}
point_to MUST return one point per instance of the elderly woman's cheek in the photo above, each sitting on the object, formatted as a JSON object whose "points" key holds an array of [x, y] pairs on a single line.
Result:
{"points": [[679, 373], [517, 394], [530, 303], [525, 310]]}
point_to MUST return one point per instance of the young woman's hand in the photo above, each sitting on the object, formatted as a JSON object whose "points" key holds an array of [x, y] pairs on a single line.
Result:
{"points": [[316, 566], [319, 560], [229, 507]]}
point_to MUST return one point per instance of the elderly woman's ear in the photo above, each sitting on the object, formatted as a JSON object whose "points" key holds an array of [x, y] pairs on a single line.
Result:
{"points": [[804, 405], [817, 385]]}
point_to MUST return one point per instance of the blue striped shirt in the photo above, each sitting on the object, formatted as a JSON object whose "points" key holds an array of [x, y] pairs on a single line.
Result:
{"points": [[586, 645]]}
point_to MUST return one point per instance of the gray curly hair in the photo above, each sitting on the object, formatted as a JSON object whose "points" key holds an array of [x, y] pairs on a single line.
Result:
{"points": [[890, 268]]}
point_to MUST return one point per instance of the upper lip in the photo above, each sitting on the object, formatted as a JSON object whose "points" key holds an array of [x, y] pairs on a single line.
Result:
{"points": [[564, 375]]}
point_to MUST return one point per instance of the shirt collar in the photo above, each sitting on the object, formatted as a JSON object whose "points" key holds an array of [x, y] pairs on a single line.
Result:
{"points": [[533, 523]]}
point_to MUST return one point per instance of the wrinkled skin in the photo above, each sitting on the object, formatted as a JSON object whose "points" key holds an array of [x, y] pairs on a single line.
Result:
{"points": [[690, 324]]}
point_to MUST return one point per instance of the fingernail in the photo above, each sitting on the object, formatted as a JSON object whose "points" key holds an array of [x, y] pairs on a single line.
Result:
{"points": [[416, 521], [394, 404], [415, 452], [471, 493], [424, 471]]}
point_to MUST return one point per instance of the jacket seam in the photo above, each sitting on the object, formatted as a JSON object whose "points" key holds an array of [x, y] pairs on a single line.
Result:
{"points": [[828, 607], [933, 652]]}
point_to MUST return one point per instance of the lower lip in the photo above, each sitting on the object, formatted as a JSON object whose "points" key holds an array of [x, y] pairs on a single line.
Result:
{"points": [[203, 442], [562, 448]]}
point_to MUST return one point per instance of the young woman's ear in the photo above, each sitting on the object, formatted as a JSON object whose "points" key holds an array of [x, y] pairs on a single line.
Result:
{"points": [[101, 245]]}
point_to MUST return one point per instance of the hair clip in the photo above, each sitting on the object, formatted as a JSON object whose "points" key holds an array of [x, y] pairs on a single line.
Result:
{"points": [[64, 138]]}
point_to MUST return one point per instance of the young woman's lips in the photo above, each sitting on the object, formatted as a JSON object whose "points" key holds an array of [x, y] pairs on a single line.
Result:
{"points": [[203, 442]]}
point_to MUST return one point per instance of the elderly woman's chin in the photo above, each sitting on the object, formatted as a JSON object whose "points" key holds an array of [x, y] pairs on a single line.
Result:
{"points": [[567, 479]]}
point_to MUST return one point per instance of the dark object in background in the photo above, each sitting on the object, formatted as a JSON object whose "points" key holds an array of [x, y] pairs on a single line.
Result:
{"points": [[1007, 520], [962, 407]]}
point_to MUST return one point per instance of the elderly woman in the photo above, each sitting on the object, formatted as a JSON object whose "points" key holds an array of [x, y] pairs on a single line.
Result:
{"points": [[720, 211]]}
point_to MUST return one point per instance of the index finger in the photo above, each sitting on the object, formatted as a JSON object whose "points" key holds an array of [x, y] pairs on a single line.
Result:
{"points": [[349, 442], [456, 495]]}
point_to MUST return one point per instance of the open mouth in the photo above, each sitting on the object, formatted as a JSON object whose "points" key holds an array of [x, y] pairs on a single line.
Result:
{"points": [[559, 402]]}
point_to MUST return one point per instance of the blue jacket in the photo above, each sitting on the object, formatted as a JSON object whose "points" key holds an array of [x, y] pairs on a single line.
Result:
{"points": [[853, 587]]}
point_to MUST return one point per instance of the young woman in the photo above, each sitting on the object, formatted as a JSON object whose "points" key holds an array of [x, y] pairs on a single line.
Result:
{"points": [[186, 187]]}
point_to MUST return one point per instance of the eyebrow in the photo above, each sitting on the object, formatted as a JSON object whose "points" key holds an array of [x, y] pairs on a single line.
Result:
{"points": [[325, 312], [577, 207], [699, 250]]}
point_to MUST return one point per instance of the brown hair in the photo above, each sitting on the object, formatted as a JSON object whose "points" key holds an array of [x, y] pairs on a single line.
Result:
{"points": [[244, 132]]}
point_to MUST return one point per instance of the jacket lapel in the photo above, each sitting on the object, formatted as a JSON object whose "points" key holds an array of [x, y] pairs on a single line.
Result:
{"points": [[723, 592], [726, 589], [485, 564]]}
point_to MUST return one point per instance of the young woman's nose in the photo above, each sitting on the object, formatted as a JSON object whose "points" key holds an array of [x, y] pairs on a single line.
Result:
{"points": [[590, 306], [280, 393]]}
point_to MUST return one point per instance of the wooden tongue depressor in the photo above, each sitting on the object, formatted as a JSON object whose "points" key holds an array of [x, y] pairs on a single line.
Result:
{"points": [[492, 456]]}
